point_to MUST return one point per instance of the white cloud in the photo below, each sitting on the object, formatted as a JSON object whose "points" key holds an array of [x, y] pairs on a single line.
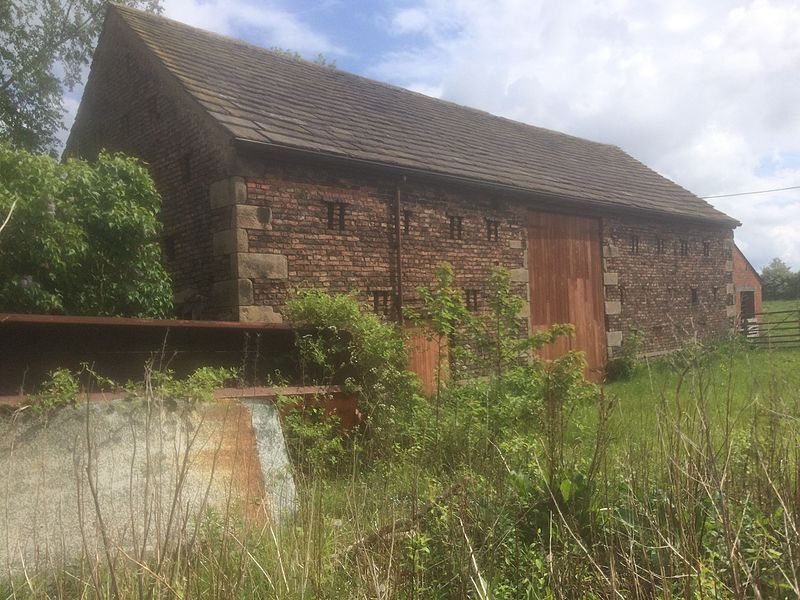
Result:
{"points": [[267, 24], [704, 92]]}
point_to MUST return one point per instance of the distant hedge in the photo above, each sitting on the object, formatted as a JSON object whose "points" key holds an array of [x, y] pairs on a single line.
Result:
{"points": [[779, 282], [82, 239]]}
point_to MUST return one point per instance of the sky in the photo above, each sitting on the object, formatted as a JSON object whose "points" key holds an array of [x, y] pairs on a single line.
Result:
{"points": [[706, 93]]}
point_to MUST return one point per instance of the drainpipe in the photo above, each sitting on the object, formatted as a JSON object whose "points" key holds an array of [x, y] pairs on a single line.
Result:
{"points": [[399, 255]]}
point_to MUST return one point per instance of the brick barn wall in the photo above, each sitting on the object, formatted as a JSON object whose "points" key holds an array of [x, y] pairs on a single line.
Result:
{"points": [[745, 279], [671, 293], [129, 106], [291, 247], [666, 295]]}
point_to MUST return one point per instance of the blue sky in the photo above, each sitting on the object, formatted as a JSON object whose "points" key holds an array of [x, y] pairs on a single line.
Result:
{"points": [[706, 92]]}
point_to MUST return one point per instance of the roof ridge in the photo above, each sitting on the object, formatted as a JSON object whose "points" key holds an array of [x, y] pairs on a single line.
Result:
{"points": [[326, 69]]}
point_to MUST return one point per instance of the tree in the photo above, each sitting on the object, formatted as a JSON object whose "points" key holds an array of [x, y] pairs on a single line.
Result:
{"points": [[82, 239], [778, 282], [44, 46]]}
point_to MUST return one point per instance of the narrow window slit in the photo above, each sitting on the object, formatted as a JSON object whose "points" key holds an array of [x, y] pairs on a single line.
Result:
{"points": [[471, 300], [336, 212], [492, 230], [456, 230]]}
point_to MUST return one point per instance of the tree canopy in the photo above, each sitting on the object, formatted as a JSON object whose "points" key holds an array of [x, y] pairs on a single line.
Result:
{"points": [[44, 47], [778, 282], [81, 239]]}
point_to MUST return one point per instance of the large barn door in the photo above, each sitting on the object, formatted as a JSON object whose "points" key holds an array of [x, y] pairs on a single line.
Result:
{"points": [[566, 282]]}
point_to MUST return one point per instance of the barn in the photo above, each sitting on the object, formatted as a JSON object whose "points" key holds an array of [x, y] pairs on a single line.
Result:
{"points": [[747, 287], [279, 174]]}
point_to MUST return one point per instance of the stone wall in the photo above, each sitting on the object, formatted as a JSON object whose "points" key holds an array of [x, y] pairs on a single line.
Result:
{"points": [[668, 281], [130, 105]]}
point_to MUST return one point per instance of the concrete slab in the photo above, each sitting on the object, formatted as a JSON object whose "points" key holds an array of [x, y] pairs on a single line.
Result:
{"points": [[154, 468]]}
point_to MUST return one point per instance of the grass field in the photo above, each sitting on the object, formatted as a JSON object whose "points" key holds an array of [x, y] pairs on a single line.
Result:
{"points": [[779, 305], [733, 380]]}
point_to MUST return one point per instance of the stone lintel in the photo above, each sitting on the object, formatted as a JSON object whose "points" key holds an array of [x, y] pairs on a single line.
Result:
{"points": [[613, 307], [230, 241], [233, 292], [260, 314], [259, 265], [227, 192], [519, 275], [247, 216], [614, 339]]}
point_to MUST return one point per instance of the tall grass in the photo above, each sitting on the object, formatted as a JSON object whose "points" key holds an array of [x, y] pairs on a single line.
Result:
{"points": [[683, 482]]}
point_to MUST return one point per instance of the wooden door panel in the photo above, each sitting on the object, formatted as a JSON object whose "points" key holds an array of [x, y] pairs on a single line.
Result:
{"points": [[566, 285]]}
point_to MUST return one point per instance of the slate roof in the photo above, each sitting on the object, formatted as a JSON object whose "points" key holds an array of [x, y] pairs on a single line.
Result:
{"points": [[262, 96]]}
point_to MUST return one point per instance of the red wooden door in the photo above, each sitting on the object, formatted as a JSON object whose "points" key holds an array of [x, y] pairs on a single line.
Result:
{"points": [[566, 283]]}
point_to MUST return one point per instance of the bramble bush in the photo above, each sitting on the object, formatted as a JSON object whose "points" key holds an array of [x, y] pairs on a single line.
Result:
{"points": [[82, 238]]}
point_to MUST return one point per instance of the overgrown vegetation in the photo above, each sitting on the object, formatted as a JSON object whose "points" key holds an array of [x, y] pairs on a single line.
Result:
{"points": [[679, 481], [80, 239]]}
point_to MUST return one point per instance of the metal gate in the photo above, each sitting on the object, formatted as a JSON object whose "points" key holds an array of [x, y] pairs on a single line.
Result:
{"points": [[776, 329]]}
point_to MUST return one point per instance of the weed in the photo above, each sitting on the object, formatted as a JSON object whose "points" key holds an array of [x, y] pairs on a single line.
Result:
{"points": [[60, 389]]}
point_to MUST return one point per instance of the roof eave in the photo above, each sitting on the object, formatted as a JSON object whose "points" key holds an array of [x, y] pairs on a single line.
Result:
{"points": [[722, 221]]}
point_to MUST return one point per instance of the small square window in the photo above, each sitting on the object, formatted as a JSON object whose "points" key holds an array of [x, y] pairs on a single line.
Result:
{"points": [[661, 246], [684, 248], [492, 230], [336, 212], [634, 244], [456, 231], [471, 300], [706, 248]]}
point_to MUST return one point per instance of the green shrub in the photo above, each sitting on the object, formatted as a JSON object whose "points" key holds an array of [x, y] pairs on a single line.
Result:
{"points": [[82, 239], [199, 386], [60, 389], [340, 341]]}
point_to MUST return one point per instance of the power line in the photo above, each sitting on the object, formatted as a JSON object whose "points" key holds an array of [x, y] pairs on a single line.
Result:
{"points": [[794, 187]]}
